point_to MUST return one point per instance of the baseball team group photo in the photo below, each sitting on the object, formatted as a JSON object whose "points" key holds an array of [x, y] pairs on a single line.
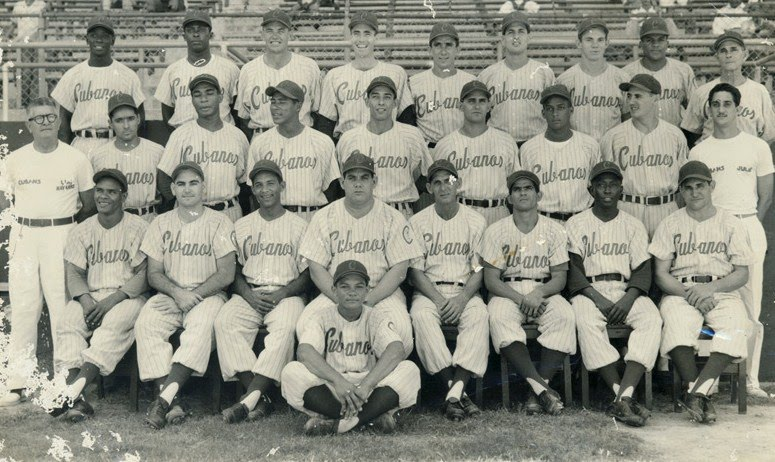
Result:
{"points": [[387, 229]]}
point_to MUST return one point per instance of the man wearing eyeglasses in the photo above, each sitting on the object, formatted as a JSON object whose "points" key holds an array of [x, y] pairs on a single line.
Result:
{"points": [[45, 179]]}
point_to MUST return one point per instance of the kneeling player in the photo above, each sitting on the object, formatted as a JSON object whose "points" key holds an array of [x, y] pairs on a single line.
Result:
{"points": [[350, 370], [701, 257]]}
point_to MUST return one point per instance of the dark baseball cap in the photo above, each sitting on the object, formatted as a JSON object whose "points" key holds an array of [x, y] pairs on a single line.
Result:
{"points": [[204, 78], [277, 15], [100, 21], [265, 165], [728, 35], [694, 169], [515, 17], [120, 99], [653, 26], [473, 86], [287, 88], [187, 165], [591, 23], [526, 175], [358, 160], [555, 90], [382, 81], [197, 16], [605, 167], [443, 29], [365, 17], [644, 82], [441, 165], [114, 174], [350, 268]]}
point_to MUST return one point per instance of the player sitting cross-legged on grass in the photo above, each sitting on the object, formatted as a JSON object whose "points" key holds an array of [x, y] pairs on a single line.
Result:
{"points": [[350, 370]]}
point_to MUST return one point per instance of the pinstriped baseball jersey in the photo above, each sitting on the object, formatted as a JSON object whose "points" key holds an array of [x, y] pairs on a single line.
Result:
{"points": [[400, 157], [678, 84], [597, 100], [563, 169], [174, 92], [254, 78], [436, 102], [269, 250], [450, 246], [710, 247], [343, 93], [649, 161], [379, 240], [483, 162], [108, 255], [84, 91], [529, 255], [616, 246], [139, 165], [307, 161], [189, 251], [515, 97], [754, 114], [221, 154]]}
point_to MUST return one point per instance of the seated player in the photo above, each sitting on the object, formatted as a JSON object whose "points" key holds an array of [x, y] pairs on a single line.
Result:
{"points": [[350, 370], [701, 257]]}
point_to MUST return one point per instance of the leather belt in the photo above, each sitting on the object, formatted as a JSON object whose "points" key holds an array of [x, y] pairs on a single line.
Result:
{"points": [[649, 200], [607, 277], [449, 283], [302, 208], [482, 202], [520, 278], [95, 133], [401, 205], [259, 130], [698, 279], [563, 216], [44, 222], [141, 210], [745, 215], [223, 205]]}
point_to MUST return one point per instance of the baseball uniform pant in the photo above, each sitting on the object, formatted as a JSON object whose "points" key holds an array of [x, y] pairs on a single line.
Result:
{"points": [[643, 318], [89, 146], [109, 342], [393, 308], [650, 215], [236, 328], [149, 217], [306, 215], [36, 269], [751, 293], [556, 325], [492, 214], [404, 380], [471, 347], [154, 327], [234, 213]]}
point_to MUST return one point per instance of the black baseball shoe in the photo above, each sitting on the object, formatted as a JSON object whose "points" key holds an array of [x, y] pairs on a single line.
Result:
{"points": [[156, 417], [532, 406], [621, 411], [80, 411], [235, 414], [385, 423], [638, 408], [472, 410], [454, 410], [551, 402], [316, 426], [693, 406], [264, 408], [708, 409], [61, 409], [176, 414]]}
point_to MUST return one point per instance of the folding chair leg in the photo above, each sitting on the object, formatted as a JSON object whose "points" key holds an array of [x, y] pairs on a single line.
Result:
{"points": [[648, 392], [742, 392], [584, 386], [566, 378], [478, 390], [216, 393], [100, 387], [505, 382], [134, 387]]}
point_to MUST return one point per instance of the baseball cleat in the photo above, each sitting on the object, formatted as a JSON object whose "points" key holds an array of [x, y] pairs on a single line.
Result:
{"points": [[708, 409], [11, 398], [64, 407], [156, 417], [385, 423], [550, 402], [80, 411], [638, 408], [454, 410], [532, 406], [264, 408], [472, 410], [693, 406], [235, 414], [621, 411], [316, 426], [176, 415]]}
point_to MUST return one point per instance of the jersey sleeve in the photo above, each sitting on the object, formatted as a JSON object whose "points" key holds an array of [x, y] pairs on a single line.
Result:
{"points": [[75, 251], [572, 228], [136, 257], [490, 250], [694, 117], [224, 240], [310, 331], [768, 117], [314, 91], [383, 333], [420, 149], [171, 156], [243, 169], [662, 243], [233, 80], [164, 92], [242, 82], [314, 246], [606, 147], [152, 245], [689, 81], [328, 98], [764, 165], [477, 234], [64, 93], [301, 263], [404, 92], [682, 149], [417, 227], [639, 244], [85, 174], [558, 246], [331, 169], [513, 156], [402, 244], [740, 252], [137, 87]]}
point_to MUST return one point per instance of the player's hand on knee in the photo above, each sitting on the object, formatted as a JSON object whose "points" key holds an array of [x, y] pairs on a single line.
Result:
{"points": [[704, 306], [362, 393], [531, 303], [88, 304], [94, 319], [695, 294], [619, 312], [261, 302], [164, 304], [186, 299], [452, 310]]}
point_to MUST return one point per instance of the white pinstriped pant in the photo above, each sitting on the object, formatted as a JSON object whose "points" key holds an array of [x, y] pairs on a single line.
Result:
{"points": [[89, 146], [109, 342], [236, 328], [153, 329], [297, 379], [471, 348], [492, 214], [643, 318], [650, 215], [751, 293]]}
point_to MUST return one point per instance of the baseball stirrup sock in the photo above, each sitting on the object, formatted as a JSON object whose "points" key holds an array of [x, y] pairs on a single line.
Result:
{"points": [[536, 386], [703, 388], [456, 391], [76, 388], [627, 392], [251, 400], [169, 392]]}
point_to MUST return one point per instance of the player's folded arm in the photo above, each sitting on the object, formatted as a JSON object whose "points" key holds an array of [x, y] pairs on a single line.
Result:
{"points": [[322, 278], [386, 363], [316, 363], [577, 275], [389, 283], [668, 283], [75, 280], [732, 281], [640, 278], [558, 280], [421, 283], [138, 283], [496, 286]]}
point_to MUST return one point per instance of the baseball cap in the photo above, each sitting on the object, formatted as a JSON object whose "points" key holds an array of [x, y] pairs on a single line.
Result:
{"points": [[473, 86], [364, 17], [204, 78], [653, 26], [604, 167], [441, 165], [382, 81], [694, 169], [287, 88], [197, 16], [100, 21], [277, 15], [349, 268], [515, 17], [358, 160], [120, 99], [443, 29], [265, 165], [555, 90], [591, 23], [644, 82], [114, 174], [728, 35], [523, 174], [187, 165]]}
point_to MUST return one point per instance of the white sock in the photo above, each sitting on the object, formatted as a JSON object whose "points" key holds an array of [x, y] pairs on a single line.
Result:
{"points": [[704, 387], [627, 393], [169, 392], [76, 388], [537, 387], [251, 400], [456, 392], [345, 425], [615, 388]]}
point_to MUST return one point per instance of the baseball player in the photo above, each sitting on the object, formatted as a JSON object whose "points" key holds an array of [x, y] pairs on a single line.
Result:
{"points": [[306, 157], [360, 226], [190, 253], [744, 189], [481, 154], [447, 281], [399, 150], [106, 278], [270, 281], [84, 89], [277, 64], [344, 87], [676, 77], [609, 280], [593, 83], [516, 82], [220, 148], [174, 92], [45, 179], [649, 151], [525, 262], [701, 257], [351, 369], [561, 158], [135, 157]]}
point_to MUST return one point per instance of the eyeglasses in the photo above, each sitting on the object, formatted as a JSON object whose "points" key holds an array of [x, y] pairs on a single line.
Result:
{"points": [[50, 118]]}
